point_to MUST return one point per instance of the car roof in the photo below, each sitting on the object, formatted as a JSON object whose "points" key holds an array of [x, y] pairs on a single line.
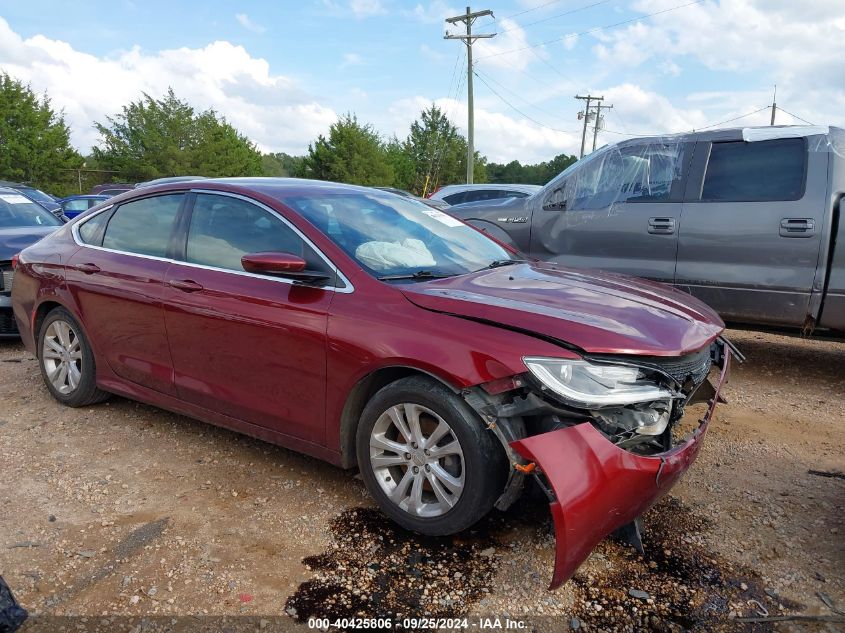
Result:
{"points": [[739, 133], [493, 185]]}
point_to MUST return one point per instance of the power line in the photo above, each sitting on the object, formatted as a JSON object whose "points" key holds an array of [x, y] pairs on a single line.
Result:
{"points": [[517, 95], [593, 30], [515, 109], [737, 118], [554, 17], [795, 116], [513, 15]]}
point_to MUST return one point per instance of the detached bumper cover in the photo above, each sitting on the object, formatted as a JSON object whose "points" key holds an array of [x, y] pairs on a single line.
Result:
{"points": [[599, 487]]}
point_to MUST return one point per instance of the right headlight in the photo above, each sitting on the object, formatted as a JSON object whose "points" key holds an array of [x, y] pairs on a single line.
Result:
{"points": [[594, 385]]}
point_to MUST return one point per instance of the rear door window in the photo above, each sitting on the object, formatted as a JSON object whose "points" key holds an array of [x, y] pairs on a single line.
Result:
{"points": [[759, 171], [143, 226]]}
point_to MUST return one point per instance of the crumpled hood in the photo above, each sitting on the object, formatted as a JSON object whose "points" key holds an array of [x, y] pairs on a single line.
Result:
{"points": [[14, 240], [597, 312]]}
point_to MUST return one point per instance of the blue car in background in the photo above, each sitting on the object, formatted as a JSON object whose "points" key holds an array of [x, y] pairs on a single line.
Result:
{"points": [[22, 223], [44, 199], [74, 205]]}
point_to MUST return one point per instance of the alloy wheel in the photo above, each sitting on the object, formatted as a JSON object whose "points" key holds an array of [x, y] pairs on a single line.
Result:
{"points": [[61, 355], [417, 460]]}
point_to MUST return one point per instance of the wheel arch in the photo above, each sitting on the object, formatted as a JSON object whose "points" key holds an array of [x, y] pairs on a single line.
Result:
{"points": [[360, 395]]}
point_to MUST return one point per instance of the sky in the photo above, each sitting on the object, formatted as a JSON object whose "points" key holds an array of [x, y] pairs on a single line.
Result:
{"points": [[282, 72]]}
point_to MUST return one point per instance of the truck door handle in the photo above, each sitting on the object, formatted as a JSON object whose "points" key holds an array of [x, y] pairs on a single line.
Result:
{"points": [[797, 227], [185, 285], [88, 269], [661, 226]]}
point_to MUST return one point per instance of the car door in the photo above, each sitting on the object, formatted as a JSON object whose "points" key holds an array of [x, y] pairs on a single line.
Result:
{"points": [[751, 228], [249, 346], [117, 278], [619, 210]]}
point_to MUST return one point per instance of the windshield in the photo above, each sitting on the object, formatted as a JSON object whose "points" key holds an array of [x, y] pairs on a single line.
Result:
{"points": [[392, 236], [18, 210], [37, 195]]}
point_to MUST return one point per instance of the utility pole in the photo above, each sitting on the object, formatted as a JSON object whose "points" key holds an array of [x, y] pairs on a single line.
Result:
{"points": [[588, 98], [598, 107], [469, 39], [774, 104]]}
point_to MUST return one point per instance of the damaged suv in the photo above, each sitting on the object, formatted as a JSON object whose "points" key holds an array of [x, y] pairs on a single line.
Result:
{"points": [[373, 331]]}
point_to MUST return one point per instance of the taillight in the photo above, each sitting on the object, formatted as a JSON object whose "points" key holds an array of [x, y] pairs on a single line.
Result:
{"points": [[15, 259]]}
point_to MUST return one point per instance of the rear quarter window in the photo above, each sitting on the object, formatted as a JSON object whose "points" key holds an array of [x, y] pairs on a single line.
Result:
{"points": [[760, 171]]}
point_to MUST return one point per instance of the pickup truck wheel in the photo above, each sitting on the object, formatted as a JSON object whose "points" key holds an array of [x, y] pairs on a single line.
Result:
{"points": [[427, 459], [67, 362]]}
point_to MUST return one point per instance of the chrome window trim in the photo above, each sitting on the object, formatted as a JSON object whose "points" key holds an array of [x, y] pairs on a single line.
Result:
{"points": [[347, 289]]}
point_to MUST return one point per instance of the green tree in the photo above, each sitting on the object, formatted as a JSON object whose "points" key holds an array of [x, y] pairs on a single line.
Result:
{"points": [[352, 153], [537, 174], [438, 153], [34, 140], [153, 138], [282, 165]]}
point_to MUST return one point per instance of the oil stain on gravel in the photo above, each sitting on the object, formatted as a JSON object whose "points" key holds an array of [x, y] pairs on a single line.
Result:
{"points": [[377, 570], [678, 585]]}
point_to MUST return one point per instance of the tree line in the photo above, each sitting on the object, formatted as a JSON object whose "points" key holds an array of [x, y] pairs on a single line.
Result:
{"points": [[156, 137]]}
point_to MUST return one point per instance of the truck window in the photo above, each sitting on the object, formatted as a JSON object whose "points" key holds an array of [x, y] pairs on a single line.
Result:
{"points": [[643, 172], [763, 170]]}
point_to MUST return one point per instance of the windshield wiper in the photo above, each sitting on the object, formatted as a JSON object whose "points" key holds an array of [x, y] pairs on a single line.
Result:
{"points": [[420, 274], [502, 262]]}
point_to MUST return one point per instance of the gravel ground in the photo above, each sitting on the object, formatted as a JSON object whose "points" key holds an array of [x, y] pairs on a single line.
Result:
{"points": [[122, 511]]}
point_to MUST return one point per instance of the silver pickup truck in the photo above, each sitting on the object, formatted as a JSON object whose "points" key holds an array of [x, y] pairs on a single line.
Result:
{"points": [[746, 219]]}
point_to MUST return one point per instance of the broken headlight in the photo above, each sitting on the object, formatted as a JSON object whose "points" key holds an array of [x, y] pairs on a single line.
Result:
{"points": [[592, 385]]}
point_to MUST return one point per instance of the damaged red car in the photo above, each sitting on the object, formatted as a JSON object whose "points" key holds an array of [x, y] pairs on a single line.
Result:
{"points": [[372, 331]]}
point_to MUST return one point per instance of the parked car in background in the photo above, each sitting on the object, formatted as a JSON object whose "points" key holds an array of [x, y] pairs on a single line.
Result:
{"points": [[364, 329], [111, 188], [747, 220], [44, 199], [458, 194], [434, 204], [22, 223], [74, 205], [168, 180]]}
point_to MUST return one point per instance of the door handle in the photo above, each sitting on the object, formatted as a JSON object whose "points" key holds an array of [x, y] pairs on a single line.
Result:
{"points": [[88, 269], [185, 285], [797, 227], [661, 226]]}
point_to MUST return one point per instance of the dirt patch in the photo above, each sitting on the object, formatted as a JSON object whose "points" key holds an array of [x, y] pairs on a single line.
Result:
{"points": [[243, 515]]}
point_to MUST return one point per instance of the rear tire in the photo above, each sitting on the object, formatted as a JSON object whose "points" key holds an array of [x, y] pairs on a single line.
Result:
{"points": [[427, 459], [66, 361]]}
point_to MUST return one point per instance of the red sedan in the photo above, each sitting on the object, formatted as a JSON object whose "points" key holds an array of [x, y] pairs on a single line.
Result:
{"points": [[370, 330]]}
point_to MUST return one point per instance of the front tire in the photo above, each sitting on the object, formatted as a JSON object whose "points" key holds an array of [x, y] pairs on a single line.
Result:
{"points": [[66, 361], [427, 458]]}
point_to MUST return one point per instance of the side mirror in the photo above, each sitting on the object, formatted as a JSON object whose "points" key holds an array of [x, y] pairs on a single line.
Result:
{"points": [[280, 265], [272, 263]]}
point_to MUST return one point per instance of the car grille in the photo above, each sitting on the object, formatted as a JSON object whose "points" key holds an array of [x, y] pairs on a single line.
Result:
{"points": [[693, 366], [6, 274], [7, 323]]}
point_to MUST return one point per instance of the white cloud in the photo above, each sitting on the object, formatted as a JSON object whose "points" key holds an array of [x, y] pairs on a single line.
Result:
{"points": [[270, 109], [799, 46], [249, 25], [433, 12], [358, 8], [364, 8], [351, 59], [511, 37]]}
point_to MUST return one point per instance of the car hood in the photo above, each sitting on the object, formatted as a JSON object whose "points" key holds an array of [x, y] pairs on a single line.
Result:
{"points": [[599, 313], [14, 240]]}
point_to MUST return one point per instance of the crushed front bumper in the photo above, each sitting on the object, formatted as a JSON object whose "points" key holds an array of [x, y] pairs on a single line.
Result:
{"points": [[598, 487]]}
